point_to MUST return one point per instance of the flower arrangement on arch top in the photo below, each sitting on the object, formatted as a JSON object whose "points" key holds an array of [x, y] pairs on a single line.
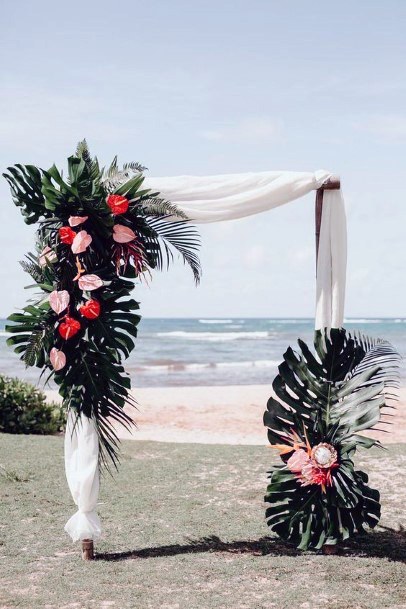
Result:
{"points": [[323, 402], [99, 231]]}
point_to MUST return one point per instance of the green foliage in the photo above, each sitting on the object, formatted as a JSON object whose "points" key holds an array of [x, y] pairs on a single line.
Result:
{"points": [[327, 398], [24, 410], [93, 381]]}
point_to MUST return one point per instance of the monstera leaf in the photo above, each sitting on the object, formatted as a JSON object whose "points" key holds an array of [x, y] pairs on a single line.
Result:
{"points": [[324, 401]]}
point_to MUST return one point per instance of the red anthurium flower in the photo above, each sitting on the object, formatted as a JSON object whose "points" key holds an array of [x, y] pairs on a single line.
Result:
{"points": [[67, 235], [91, 309], [117, 204], [69, 327]]}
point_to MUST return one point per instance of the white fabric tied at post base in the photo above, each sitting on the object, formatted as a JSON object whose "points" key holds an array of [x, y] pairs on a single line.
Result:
{"points": [[213, 199], [82, 473]]}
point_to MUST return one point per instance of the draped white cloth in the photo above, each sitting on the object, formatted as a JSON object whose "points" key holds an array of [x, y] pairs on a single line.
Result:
{"points": [[214, 199], [82, 473], [231, 196], [331, 262]]}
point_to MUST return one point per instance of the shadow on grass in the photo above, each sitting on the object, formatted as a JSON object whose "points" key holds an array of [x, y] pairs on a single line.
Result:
{"points": [[386, 543]]}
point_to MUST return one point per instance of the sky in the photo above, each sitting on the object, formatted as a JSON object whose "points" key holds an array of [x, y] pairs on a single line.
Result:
{"points": [[210, 87]]}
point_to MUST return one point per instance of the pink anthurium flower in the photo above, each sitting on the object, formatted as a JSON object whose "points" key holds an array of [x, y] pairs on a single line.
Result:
{"points": [[76, 220], [90, 282], [59, 300], [58, 359], [81, 242], [47, 255], [123, 234]]}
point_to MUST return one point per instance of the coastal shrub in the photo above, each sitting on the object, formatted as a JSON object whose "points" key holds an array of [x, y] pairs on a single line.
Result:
{"points": [[24, 409]]}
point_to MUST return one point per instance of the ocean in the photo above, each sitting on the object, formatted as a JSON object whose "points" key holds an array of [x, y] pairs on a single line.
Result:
{"points": [[240, 351]]}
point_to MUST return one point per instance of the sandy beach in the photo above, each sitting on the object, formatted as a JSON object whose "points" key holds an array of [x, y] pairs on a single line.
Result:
{"points": [[220, 415]]}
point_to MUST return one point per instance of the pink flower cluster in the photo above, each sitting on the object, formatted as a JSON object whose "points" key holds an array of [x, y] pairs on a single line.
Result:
{"points": [[313, 466], [79, 242]]}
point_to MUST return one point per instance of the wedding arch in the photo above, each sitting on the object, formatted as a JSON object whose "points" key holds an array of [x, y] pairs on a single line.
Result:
{"points": [[92, 208]]}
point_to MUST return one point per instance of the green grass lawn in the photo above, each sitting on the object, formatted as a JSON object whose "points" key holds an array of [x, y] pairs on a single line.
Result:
{"points": [[184, 529]]}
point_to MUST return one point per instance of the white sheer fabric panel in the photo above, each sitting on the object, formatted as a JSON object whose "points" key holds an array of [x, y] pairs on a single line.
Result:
{"points": [[82, 473], [231, 196], [332, 262]]}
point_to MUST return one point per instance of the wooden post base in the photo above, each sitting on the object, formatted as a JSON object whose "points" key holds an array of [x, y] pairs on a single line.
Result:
{"points": [[329, 549], [87, 549]]}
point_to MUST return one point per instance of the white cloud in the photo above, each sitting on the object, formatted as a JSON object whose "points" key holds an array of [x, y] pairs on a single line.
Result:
{"points": [[264, 128]]}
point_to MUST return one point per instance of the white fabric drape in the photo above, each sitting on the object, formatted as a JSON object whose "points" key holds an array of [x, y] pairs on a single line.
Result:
{"points": [[214, 199], [331, 262], [231, 196], [82, 473]]}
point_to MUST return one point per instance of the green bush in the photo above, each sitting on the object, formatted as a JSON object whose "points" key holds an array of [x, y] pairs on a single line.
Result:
{"points": [[24, 410]]}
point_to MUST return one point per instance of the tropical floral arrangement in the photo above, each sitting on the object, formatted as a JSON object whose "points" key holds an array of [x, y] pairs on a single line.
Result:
{"points": [[99, 231], [316, 497]]}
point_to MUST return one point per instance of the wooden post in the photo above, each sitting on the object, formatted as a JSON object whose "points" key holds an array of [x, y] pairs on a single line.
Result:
{"points": [[332, 183], [329, 549], [87, 549], [318, 214]]}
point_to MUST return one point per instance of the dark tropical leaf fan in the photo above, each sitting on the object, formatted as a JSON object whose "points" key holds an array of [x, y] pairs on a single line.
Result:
{"points": [[326, 401], [99, 230]]}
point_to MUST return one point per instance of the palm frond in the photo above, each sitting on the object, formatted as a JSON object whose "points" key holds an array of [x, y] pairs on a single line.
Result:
{"points": [[33, 269], [34, 349], [382, 356], [114, 177], [177, 235], [159, 207], [92, 164], [134, 167]]}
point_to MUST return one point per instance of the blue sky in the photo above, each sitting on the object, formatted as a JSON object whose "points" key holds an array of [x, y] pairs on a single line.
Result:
{"points": [[213, 87]]}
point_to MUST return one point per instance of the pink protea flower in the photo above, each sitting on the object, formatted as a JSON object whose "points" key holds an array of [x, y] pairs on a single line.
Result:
{"points": [[324, 455], [76, 220], [311, 465], [90, 282], [57, 358], [123, 234], [81, 242], [59, 300]]}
